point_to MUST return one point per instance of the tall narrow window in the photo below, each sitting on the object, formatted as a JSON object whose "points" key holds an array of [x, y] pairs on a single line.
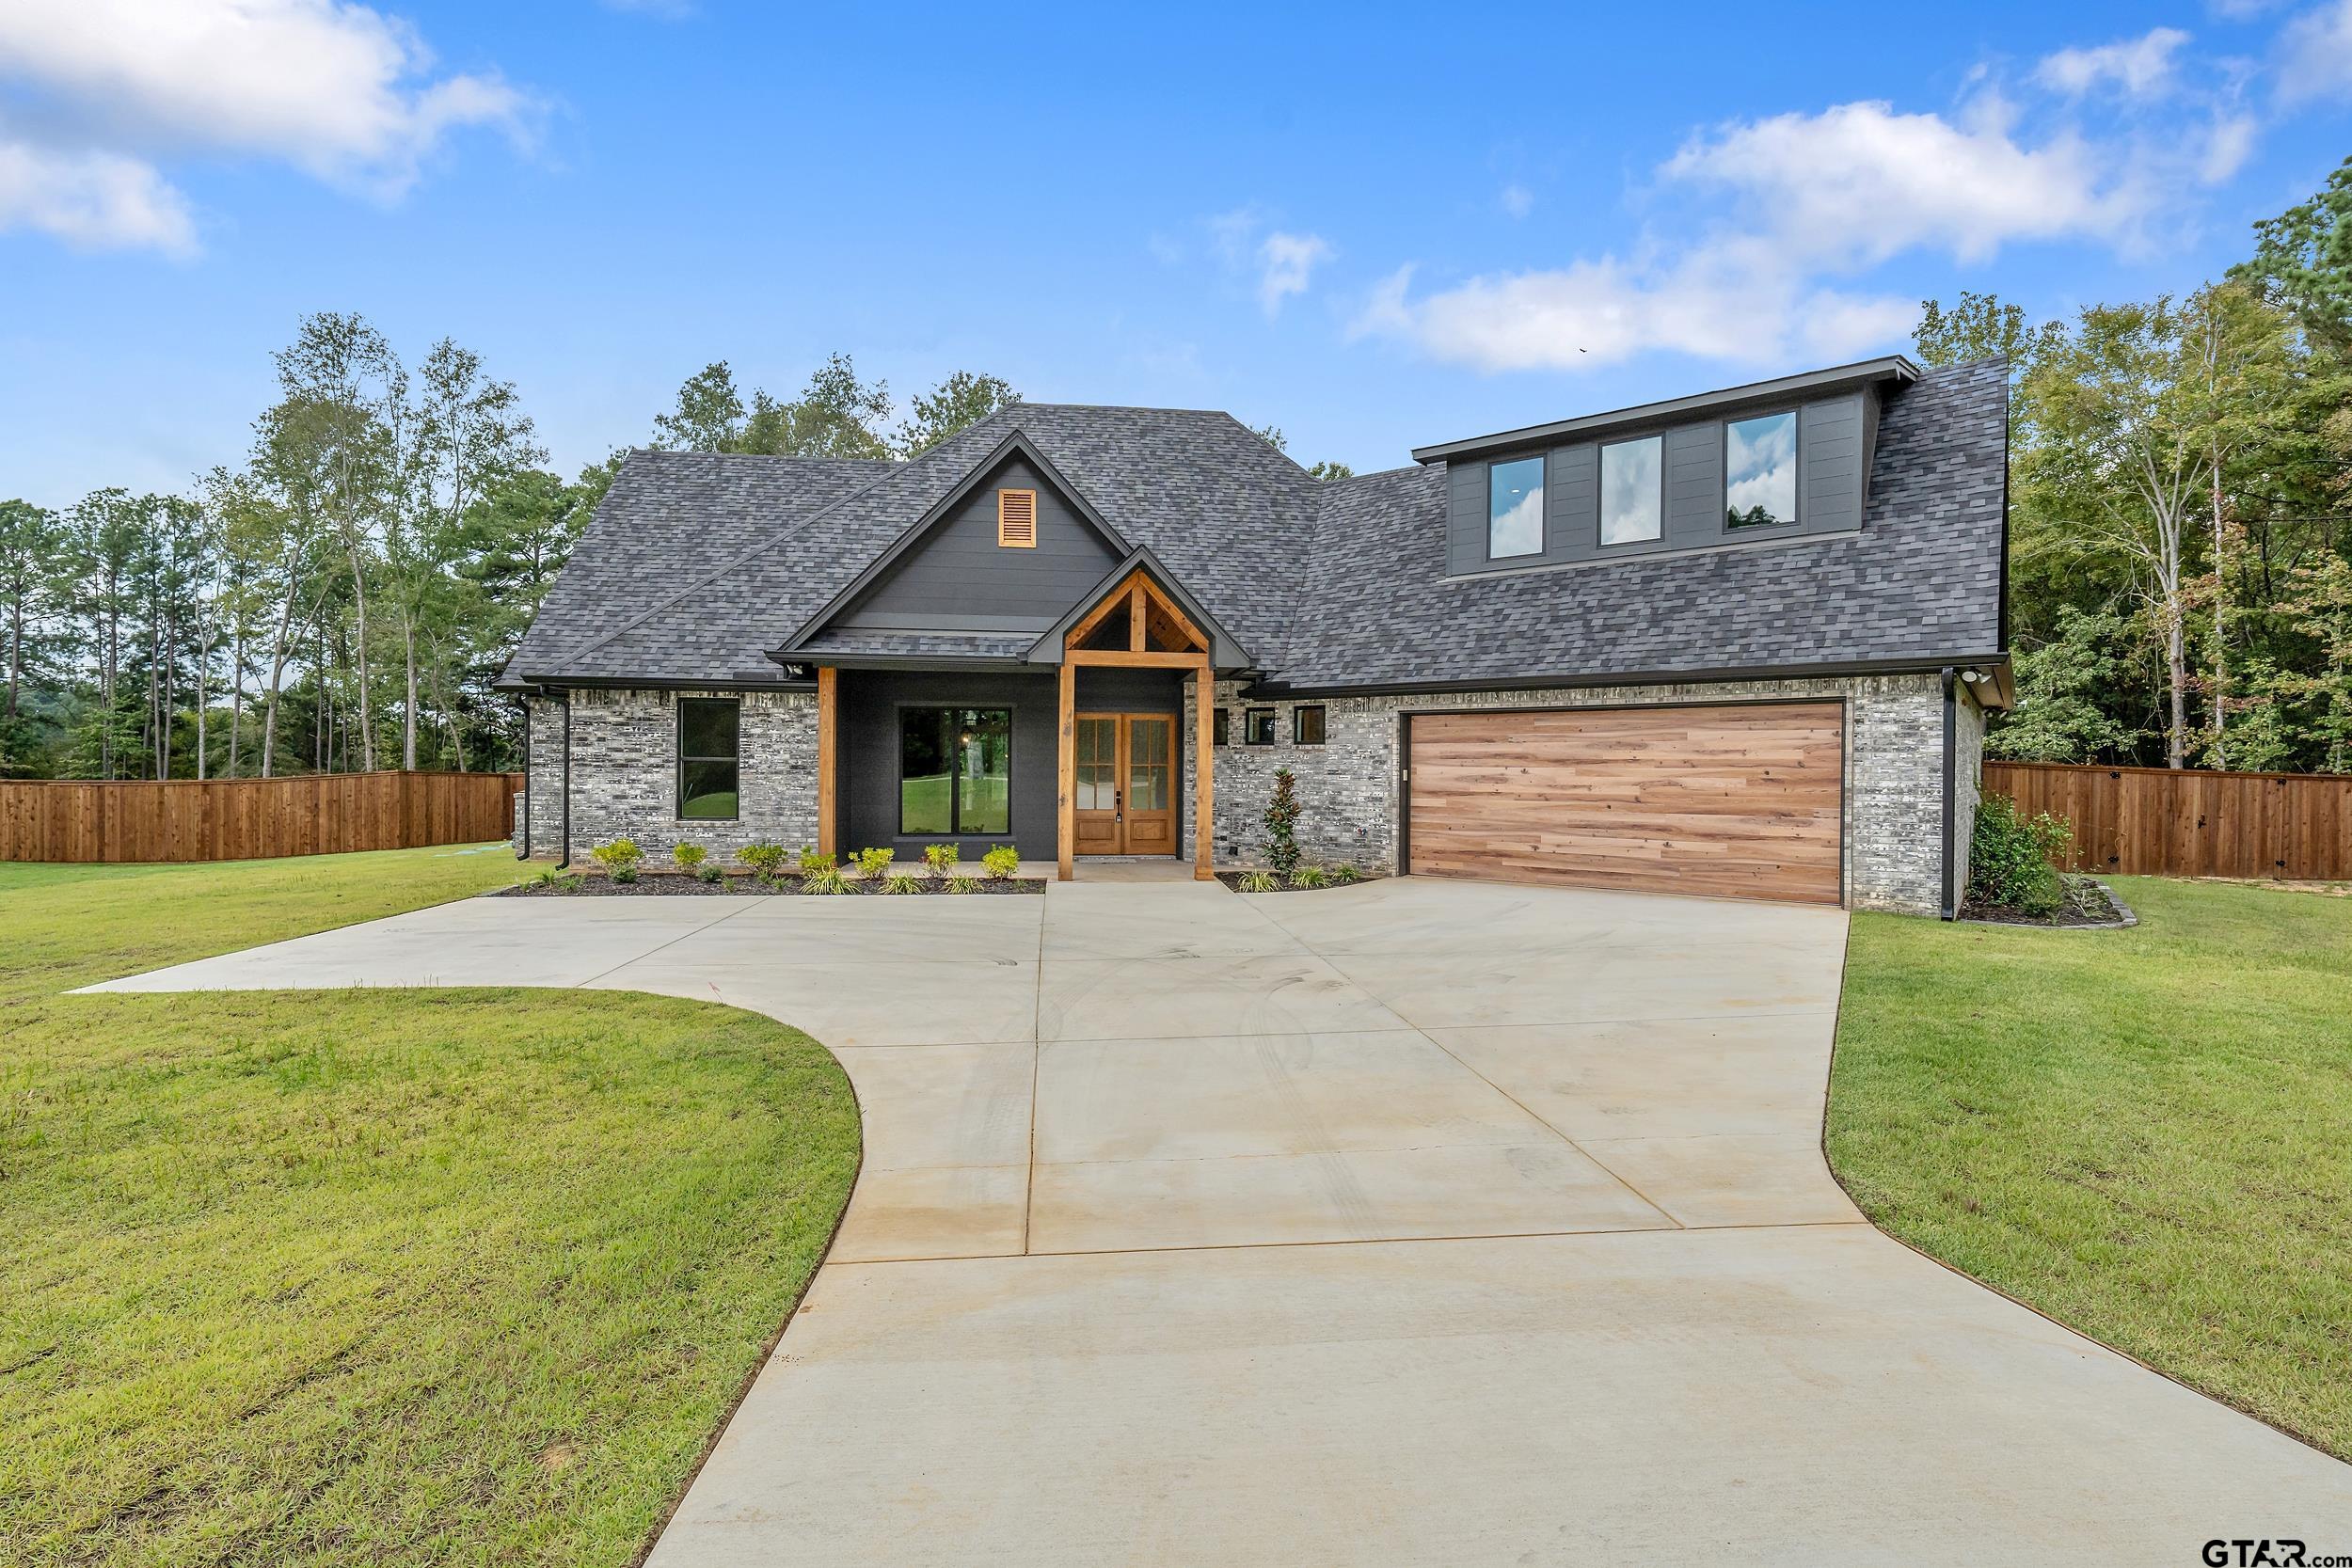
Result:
{"points": [[955, 770], [1514, 507], [709, 731], [1221, 726], [1761, 471], [1016, 520], [1632, 490]]}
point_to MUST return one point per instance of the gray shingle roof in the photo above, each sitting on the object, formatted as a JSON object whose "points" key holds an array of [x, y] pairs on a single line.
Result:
{"points": [[697, 564]]}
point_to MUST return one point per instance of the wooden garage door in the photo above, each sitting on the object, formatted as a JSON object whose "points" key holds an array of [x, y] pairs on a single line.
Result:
{"points": [[1739, 801]]}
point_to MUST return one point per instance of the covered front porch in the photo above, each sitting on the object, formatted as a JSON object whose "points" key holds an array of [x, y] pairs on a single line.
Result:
{"points": [[1092, 749]]}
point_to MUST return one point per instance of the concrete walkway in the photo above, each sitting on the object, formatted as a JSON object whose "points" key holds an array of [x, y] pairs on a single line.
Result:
{"points": [[1414, 1222]]}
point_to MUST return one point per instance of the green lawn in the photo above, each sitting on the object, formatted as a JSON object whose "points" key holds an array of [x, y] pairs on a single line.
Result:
{"points": [[2146, 1135], [373, 1277]]}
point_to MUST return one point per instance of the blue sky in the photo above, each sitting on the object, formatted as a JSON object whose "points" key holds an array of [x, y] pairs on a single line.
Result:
{"points": [[1371, 227]]}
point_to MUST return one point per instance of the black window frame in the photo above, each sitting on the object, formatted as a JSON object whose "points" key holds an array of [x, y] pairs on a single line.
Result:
{"points": [[1723, 466], [678, 780], [1543, 491], [956, 828], [1600, 493], [1298, 725], [1249, 721]]}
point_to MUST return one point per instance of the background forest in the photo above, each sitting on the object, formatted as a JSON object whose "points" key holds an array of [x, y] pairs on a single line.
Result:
{"points": [[2181, 514]]}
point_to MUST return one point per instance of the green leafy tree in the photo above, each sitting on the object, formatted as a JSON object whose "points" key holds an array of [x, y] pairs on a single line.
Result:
{"points": [[31, 540], [2059, 715], [956, 404], [709, 416], [1980, 327]]}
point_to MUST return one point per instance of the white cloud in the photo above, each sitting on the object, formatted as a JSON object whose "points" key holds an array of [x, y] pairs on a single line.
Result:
{"points": [[1286, 260], [1859, 182], [1517, 200], [334, 88], [2139, 68], [2316, 53], [92, 200], [1810, 196], [2229, 142]]}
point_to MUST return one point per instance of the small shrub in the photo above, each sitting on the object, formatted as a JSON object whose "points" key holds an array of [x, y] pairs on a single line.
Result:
{"points": [[1001, 860], [1311, 875], [872, 863], [765, 858], [1281, 821], [814, 860], [1259, 881], [941, 857], [710, 875], [1344, 872], [964, 884], [825, 879], [688, 856], [901, 883], [620, 855], [2010, 857], [563, 881]]}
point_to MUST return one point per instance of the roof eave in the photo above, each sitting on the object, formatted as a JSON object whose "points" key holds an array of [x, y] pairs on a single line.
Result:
{"points": [[1892, 366]]}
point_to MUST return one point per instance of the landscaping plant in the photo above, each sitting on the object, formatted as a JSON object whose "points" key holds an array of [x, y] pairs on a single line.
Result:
{"points": [[1259, 881], [964, 884], [814, 860], [1311, 875], [1281, 820], [824, 880], [709, 874], [619, 858], [873, 863], [1347, 872], [765, 858], [2010, 858], [688, 856], [901, 883], [1001, 860], [941, 857]]}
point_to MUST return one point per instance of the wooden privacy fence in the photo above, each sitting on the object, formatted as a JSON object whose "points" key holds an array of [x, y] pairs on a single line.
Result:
{"points": [[2189, 823], [238, 819]]}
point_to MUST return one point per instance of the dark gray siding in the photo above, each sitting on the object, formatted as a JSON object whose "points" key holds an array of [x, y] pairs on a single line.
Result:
{"points": [[959, 579], [1831, 458], [869, 781]]}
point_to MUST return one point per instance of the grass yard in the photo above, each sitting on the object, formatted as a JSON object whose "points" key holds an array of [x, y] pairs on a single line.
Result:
{"points": [[2146, 1135], [373, 1277]]}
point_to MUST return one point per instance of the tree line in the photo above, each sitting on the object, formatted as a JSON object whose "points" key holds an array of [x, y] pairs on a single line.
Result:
{"points": [[342, 599], [2181, 526]]}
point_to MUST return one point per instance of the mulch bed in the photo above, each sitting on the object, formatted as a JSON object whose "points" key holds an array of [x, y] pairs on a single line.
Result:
{"points": [[2090, 904], [1283, 885], [669, 884]]}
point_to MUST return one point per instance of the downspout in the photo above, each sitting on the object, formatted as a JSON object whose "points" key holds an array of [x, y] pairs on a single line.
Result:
{"points": [[1951, 738], [565, 863]]}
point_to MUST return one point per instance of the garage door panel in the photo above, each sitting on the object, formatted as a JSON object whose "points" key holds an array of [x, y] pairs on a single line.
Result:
{"points": [[1737, 801]]}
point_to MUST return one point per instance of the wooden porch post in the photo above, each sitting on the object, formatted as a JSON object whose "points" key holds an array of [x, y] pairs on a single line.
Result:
{"points": [[1204, 774], [1066, 776], [827, 721]]}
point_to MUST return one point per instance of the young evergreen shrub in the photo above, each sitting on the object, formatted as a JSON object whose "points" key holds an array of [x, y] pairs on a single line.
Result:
{"points": [[941, 857], [619, 856], [873, 863], [2010, 857], [814, 860], [688, 856], [765, 858], [1281, 820], [1001, 860]]}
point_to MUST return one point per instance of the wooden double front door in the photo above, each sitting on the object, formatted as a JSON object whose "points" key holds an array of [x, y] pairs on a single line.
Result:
{"points": [[1126, 784]]}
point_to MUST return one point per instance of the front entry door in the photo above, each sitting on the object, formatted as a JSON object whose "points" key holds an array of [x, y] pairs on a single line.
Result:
{"points": [[1126, 784]]}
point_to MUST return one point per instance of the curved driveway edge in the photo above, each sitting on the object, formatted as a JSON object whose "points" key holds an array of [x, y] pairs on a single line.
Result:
{"points": [[1412, 1222]]}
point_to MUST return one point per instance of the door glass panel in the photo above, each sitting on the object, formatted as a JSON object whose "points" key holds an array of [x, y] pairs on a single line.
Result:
{"points": [[1147, 784], [1097, 777]]}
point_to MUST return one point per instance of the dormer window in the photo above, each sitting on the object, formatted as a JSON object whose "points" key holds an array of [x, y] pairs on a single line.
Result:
{"points": [[1016, 520], [1632, 490], [1514, 507], [1761, 471]]}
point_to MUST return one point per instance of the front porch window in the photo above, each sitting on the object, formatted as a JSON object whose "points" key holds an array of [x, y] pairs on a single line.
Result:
{"points": [[955, 771]]}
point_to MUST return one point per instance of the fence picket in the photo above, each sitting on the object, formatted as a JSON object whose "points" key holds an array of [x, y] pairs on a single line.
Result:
{"points": [[2190, 822], [235, 819]]}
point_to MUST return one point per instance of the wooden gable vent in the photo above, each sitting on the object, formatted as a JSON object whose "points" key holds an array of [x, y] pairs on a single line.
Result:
{"points": [[1016, 520]]}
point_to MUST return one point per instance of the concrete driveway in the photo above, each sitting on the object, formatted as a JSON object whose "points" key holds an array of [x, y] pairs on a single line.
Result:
{"points": [[1414, 1222]]}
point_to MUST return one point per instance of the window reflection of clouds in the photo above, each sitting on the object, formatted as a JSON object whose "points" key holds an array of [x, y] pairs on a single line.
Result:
{"points": [[1631, 495], [1760, 470], [1514, 507]]}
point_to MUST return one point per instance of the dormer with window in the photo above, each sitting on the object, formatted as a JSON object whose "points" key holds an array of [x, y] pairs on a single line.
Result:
{"points": [[1777, 460]]}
